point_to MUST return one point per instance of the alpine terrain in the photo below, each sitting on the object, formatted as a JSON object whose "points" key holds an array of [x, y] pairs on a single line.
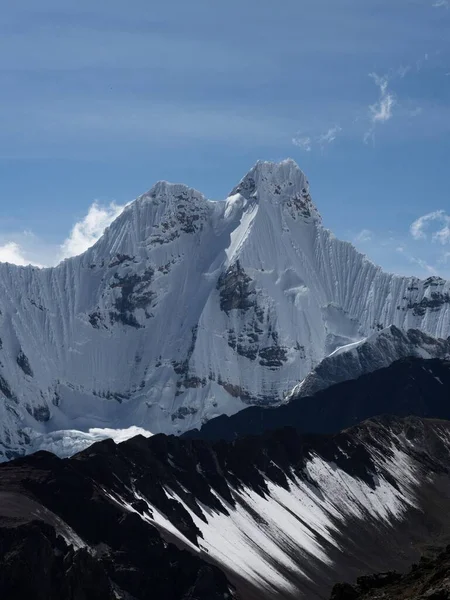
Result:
{"points": [[187, 309], [278, 516]]}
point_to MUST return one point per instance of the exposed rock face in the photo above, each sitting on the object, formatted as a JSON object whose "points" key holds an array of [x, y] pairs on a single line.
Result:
{"points": [[279, 516], [234, 286], [105, 339]]}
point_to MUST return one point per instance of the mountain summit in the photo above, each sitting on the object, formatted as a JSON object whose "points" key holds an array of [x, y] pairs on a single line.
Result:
{"points": [[187, 309]]}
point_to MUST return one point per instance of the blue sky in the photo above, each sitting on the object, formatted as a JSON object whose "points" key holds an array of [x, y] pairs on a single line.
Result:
{"points": [[101, 99]]}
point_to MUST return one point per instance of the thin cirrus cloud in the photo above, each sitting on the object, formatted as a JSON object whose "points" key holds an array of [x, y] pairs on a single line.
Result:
{"points": [[303, 142], [381, 111], [307, 142], [420, 228], [365, 235]]}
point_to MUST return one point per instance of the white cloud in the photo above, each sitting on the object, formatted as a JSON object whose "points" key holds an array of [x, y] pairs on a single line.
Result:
{"points": [[421, 225], [308, 142], [364, 236], [329, 136], [86, 232], [23, 248], [441, 4], [12, 252], [381, 111], [303, 142]]}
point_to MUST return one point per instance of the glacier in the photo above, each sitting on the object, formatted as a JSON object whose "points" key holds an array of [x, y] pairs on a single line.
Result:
{"points": [[188, 308]]}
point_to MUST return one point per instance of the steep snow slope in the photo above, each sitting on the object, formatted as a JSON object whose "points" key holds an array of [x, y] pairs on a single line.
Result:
{"points": [[186, 309], [284, 516]]}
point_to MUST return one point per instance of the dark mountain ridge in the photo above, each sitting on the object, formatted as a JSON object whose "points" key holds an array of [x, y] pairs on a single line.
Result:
{"points": [[410, 386], [158, 517]]}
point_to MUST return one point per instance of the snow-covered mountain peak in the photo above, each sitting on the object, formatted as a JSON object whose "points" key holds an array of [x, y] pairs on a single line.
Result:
{"points": [[281, 184], [157, 217], [170, 192], [186, 309]]}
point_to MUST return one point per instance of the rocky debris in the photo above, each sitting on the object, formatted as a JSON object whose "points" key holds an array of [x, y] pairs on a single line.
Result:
{"points": [[235, 289], [186, 212], [301, 204], [427, 580], [432, 303], [6, 390], [273, 356], [181, 368], [120, 259], [24, 363], [183, 412], [135, 294], [40, 413], [247, 188], [252, 342]]}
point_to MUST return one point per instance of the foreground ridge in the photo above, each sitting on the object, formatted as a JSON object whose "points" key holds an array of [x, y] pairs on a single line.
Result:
{"points": [[281, 515]]}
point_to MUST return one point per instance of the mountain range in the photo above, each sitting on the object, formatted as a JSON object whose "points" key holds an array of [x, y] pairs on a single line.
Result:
{"points": [[187, 309], [222, 401]]}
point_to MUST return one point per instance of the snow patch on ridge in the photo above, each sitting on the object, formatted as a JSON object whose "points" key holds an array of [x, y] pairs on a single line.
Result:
{"points": [[262, 536]]}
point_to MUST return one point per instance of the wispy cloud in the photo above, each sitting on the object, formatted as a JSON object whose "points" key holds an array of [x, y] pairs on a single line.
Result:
{"points": [[303, 142], [417, 261], [86, 232], [441, 4], [307, 142], [330, 135], [365, 235], [381, 111], [420, 227]]}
